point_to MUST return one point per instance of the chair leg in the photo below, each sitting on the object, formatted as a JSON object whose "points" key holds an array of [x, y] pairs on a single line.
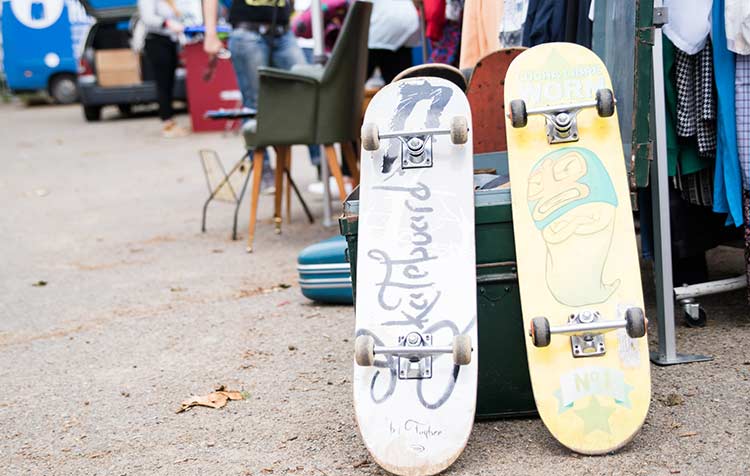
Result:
{"points": [[281, 152], [257, 174], [350, 156], [333, 165], [289, 187]]}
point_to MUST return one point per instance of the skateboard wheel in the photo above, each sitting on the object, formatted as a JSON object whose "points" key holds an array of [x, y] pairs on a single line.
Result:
{"points": [[605, 102], [518, 116], [540, 334], [370, 136], [635, 322], [364, 350], [459, 130], [461, 349]]}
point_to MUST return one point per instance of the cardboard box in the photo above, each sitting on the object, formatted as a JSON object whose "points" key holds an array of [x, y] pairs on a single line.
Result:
{"points": [[119, 67]]}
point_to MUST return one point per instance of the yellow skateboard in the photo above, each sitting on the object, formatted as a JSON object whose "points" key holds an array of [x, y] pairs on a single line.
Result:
{"points": [[578, 268]]}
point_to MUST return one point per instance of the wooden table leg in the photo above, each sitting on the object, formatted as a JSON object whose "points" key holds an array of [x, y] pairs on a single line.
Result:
{"points": [[281, 153], [257, 174], [333, 165], [350, 156], [289, 186]]}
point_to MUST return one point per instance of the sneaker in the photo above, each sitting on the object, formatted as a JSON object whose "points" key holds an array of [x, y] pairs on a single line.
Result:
{"points": [[268, 183], [317, 187], [171, 130]]}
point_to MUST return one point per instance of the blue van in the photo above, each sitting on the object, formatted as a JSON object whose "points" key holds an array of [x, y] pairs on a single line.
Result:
{"points": [[42, 41]]}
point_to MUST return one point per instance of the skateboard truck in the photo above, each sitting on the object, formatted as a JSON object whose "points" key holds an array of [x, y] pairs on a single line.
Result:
{"points": [[586, 330], [416, 146], [414, 348], [562, 121]]}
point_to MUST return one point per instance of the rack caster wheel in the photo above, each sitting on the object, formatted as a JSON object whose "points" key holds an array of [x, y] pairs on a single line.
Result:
{"points": [[370, 136], [695, 318], [635, 323], [459, 130], [540, 333], [605, 102], [364, 351], [518, 116], [461, 349]]}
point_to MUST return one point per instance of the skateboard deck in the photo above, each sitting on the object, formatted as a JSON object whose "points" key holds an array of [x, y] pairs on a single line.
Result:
{"points": [[578, 269], [437, 70], [485, 94], [415, 369]]}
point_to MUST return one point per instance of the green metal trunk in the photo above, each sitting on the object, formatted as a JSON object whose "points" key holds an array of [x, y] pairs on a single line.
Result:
{"points": [[504, 387]]}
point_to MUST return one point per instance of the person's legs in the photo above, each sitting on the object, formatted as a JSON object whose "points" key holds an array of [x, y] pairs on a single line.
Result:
{"points": [[394, 62], [373, 61], [286, 54], [249, 52], [162, 55]]}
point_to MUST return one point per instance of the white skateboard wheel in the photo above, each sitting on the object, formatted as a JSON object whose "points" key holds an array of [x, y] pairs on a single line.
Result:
{"points": [[540, 333], [364, 350], [459, 130], [370, 136], [462, 349], [635, 322], [605, 102], [518, 115]]}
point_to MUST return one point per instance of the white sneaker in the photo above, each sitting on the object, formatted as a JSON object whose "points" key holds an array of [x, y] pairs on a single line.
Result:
{"points": [[317, 187], [268, 184]]}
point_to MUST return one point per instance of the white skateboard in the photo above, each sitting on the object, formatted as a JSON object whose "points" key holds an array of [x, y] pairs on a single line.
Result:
{"points": [[415, 371]]}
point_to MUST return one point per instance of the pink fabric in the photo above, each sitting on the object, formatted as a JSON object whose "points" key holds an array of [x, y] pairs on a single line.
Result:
{"points": [[434, 17], [334, 12]]}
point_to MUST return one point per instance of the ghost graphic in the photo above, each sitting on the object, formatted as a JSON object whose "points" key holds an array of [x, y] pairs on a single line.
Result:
{"points": [[572, 202]]}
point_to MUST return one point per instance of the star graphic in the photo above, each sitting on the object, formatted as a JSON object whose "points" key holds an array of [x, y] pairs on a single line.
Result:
{"points": [[595, 416]]}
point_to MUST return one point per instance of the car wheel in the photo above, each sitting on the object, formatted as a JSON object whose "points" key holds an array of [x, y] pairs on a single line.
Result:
{"points": [[63, 89], [92, 113], [125, 109]]}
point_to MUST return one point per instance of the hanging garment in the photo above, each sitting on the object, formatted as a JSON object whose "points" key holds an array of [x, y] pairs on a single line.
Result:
{"points": [[727, 178], [746, 200], [689, 24], [693, 229], [578, 27], [481, 30], [434, 19], [393, 24], [696, 103], [682, 153], [698, 188], [446, 50], [742, 106], [545, 22], [737, 14], [511, 27]]}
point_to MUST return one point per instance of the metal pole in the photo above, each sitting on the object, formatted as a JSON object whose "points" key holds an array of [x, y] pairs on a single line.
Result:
{"points": [[422, 29], [319, 57], [667, 351]]}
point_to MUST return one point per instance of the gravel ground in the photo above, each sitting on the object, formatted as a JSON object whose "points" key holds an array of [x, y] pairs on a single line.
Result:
{"points": [[141, 310]]}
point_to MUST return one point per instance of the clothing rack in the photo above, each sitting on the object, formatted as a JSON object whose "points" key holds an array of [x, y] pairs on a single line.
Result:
{"points": [[666, 293]]}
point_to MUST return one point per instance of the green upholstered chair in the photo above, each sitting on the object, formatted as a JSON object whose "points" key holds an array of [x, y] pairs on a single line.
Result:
{"points": [[311, 104]]}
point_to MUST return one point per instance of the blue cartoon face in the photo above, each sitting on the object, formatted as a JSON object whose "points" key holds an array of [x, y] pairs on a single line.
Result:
{"points": [[564, 180]]}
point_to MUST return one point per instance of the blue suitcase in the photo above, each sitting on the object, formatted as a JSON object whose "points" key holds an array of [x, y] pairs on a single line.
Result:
{"points": [[324, 273]]}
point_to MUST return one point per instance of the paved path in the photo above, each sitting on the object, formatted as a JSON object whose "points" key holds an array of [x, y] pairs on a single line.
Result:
{"points": [[141, 310]]}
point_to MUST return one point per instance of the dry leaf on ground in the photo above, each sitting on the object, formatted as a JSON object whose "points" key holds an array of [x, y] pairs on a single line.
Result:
{"points": [[215, 399]]}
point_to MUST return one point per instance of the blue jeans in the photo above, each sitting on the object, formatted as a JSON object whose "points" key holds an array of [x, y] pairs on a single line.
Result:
{"points": [[250, 50]]}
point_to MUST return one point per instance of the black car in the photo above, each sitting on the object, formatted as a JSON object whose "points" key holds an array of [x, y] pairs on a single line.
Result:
{"points": [[112, 30]]}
